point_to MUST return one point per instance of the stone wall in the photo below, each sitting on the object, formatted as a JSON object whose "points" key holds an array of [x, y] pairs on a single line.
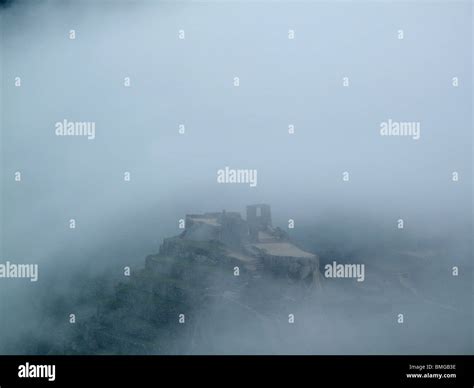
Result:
{"points": [[296, 268]]}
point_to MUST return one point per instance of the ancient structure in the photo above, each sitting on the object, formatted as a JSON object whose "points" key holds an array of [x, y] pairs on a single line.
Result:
{"points": [[254, 242], [259, 219]]}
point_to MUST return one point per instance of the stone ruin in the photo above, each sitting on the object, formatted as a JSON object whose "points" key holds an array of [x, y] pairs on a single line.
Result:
{"points": [[254, 242]]}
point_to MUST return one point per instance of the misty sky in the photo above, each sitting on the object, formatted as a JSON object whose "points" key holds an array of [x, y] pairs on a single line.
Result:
{"points": [[190, 82]]}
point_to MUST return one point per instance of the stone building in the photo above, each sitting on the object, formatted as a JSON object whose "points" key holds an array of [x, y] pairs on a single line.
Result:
{"points": [[254, 241], [259, 219]]}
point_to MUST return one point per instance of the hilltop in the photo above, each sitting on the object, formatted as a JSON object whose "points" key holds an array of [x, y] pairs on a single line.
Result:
{"points": [[221, 274], [252, 244]]}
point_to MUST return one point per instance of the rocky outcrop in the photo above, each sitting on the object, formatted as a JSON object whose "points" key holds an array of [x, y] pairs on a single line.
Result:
{"points": [[254, 242], [297, 266]]}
